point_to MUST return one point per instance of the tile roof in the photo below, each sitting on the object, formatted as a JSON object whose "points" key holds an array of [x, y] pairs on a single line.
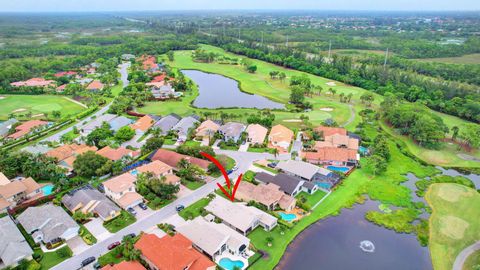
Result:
{"points": [[120, 183], [172, 158], [30, 185], [97, 122], [26, 128], [11, 189], [156, 167], [337, 140], [299, 168], [3, 179], [13, 246], [184, 125], [68, 150], [280, 133], [143, 123], [116, 154], [331, 154], [287, 183], [95, 85], [125, 265], [329, 131], [65, 73], [34, 82], [207, 128], [89, 196], [232, 129], [5, 126], [119, 122], [172, 252], [167, 123], [129, 198], [256, 133], [266, 194]]}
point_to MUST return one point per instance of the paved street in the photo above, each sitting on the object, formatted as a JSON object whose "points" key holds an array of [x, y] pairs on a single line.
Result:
{"points": [[462, 257]]}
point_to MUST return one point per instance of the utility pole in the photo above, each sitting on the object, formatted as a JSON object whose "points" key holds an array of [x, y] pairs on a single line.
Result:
{"points": [[385, 62]]}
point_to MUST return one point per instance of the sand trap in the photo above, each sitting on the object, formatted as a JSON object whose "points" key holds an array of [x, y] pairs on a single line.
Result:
{"points": [[19, 110], [331, 84], [292, 120], [453, 227], [452, 193], [326, 109], [2, 97], [37, 115]]}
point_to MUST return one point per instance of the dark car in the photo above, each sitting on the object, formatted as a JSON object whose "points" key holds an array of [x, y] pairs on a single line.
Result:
{"points": [[97, 265], [132, 211], [272, 165], [88, 261], [179, 208], [143, 206], [113, 245], [132, 235]]}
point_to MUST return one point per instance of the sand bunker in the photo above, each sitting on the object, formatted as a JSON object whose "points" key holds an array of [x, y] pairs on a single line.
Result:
{"points": [[453, 227], [326, 109], [19, 110], [452, 193], [292, 120], [331, 84], [37, 115]]}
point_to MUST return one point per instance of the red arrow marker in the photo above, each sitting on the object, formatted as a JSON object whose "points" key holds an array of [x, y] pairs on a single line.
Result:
{"points": [[228, 192]]}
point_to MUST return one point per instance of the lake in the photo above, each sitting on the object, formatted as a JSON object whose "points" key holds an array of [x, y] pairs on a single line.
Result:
{"points": [[217, 91], [334, 243]]}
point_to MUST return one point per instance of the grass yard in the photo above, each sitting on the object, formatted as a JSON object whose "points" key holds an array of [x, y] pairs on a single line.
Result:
{"points": [[192, 185], [194, 210], [37, 105], [120, 222], [260, 150], [113, 256], [454, 223], [117, 89], [192, 143], [311, 200], [50, 259]]}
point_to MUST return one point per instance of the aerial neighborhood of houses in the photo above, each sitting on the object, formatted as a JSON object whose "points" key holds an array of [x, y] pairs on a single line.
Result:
{"points": [[138, 181]]}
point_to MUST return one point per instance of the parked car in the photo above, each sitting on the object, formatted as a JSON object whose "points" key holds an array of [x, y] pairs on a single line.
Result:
{"points": [[132, 235], [113, 245], [179, 208], [132, 211], [229, 171], [143, 206], [272, 165], [88, 261], [97, 266], [235, 168]]}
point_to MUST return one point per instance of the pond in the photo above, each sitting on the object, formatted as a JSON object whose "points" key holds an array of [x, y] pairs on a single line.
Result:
{"points": [[217, 91], [475, 178], [334, 243]]}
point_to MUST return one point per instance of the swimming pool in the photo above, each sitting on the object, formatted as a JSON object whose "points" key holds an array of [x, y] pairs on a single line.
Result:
{"points": [[363, 150], [324, 185], [339, 169], [287, 217], [228, 264], [47, 190], [134, 172]]}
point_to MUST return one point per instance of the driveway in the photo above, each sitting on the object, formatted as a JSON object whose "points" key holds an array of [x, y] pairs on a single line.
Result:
{"points": [[141, 214], [95, 227], [244, 147], [175, 220], [462, 257], [77, 245], [184, 191]]}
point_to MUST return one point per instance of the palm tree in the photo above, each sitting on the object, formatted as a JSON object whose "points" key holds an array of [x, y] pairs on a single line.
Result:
{"points": [[455, 131], [275, 152]]}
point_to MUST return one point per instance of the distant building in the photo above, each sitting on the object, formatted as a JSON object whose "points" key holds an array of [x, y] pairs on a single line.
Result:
{"points": [[34, 82], [119, 153], [27, 128], [6, 126], [95, 86]]}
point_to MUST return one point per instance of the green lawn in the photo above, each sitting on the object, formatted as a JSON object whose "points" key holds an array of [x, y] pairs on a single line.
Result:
{"points": [[192, 185], [192, 143], [454, 223], [465, 59], [120, 222], [50, 259], [20, 105], [472, 261], [117, 89], [195, 209], [313, 199], [114, 256], [260, 150]]}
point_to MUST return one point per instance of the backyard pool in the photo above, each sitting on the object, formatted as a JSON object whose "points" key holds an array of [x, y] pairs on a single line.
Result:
{"points": [[323, 185], [134, 172], [338, 169], [287, 217], [47, 190], [228, 264], [363, 150]]}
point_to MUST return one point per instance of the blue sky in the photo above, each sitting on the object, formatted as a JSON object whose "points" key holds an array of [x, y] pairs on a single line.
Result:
{"points": [[126, 5]]}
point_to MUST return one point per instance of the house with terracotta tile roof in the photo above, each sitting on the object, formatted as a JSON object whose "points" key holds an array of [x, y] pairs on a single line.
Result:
{"points": [[149, 63], [119, 153], [14, 192], [268, 195], [159, 169], [121, 189], [332, 156], [61, 88], [34, 82], [125, 265], [329, 131], [67, 150], [172, 158], [256, 134], [65, 74], [143, 124], [337, 140], [172, 253], [214, 239], [280, 137], [206, 129], [27, 128], [95, 86]]}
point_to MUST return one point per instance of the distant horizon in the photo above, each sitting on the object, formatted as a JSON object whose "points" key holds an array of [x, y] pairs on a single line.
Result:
{"points": [[46, 6]]}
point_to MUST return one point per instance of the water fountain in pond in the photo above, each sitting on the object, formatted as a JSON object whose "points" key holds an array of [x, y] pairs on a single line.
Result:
{"points": [[367, 246]]}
